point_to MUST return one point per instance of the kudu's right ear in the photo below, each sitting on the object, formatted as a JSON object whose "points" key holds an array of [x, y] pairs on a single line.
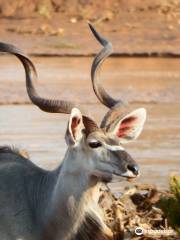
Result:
{"points": [[74, 128]]}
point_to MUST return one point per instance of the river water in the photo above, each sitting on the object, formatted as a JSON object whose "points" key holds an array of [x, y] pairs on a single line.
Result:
{"points": [[154, 86]]}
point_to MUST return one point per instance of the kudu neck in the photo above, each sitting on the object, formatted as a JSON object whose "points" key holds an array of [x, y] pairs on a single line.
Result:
{"points": [[73, 193]]}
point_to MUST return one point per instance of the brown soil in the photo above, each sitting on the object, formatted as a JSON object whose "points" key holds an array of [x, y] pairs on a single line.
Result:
{"points": [[59, 27]]}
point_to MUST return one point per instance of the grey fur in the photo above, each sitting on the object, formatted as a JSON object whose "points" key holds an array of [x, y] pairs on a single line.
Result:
{"points": [[62, 204]]}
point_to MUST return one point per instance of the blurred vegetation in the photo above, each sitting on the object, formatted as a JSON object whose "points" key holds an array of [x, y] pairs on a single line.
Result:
{"points": [[145, 206], [83, 9], [171, 204]]}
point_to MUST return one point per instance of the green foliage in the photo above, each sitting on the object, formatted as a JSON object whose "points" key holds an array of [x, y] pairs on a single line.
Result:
{"points": [[175, 187], [171, 204]]}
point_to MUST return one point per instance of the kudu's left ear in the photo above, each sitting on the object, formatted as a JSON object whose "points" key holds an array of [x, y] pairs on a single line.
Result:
{"points": [[129, 127], [75, 126]]}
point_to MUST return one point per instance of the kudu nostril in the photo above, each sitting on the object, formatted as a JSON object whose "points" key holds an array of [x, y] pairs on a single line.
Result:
{"points": [[133, 168]]}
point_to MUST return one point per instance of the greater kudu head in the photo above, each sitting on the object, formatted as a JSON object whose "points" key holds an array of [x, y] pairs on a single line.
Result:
{"points": [[97, 151]]}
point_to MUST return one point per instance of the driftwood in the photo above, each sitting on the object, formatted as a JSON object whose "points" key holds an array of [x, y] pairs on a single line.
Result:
{"points": [[138, 207]]}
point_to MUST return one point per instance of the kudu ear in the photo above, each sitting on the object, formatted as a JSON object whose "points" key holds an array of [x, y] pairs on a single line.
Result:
{"points": [[74, 128], [129, 127]]}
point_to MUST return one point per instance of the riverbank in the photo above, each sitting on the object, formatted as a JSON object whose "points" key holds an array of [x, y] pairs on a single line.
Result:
{"points": [[59, 28]]}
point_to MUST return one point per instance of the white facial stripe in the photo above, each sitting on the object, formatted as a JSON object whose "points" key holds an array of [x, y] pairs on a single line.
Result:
{"points": [[113, 147], [93, 141]]}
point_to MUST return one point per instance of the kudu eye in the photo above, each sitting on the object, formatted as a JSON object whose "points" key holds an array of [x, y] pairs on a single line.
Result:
{"points": [[95, 144]]}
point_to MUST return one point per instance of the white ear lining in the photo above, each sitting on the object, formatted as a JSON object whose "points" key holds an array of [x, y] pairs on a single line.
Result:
{"points": [[141, 114], [136, 128], [75, 112]]}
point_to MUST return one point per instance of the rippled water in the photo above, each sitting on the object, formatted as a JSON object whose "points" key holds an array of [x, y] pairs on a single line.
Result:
{"points": [[157, 150], [145, 80]]}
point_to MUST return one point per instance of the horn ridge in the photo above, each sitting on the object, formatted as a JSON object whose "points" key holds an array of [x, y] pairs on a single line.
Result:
{"points": [[100, 92], [102, 95], [47, 105]]}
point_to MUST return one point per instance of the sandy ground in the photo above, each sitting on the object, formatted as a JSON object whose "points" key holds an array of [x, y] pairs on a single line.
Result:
{"points": [[61, 28]]}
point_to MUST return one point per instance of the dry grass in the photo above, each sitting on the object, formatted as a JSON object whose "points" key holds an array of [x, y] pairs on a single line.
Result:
{"points": [[144, 206]]}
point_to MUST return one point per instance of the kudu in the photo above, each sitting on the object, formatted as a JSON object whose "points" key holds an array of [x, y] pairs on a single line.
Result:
{"points": [[63, 204]]}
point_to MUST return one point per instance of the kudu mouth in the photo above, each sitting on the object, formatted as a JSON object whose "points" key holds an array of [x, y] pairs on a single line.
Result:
{"points": [[128, 175], [131, 172]]}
